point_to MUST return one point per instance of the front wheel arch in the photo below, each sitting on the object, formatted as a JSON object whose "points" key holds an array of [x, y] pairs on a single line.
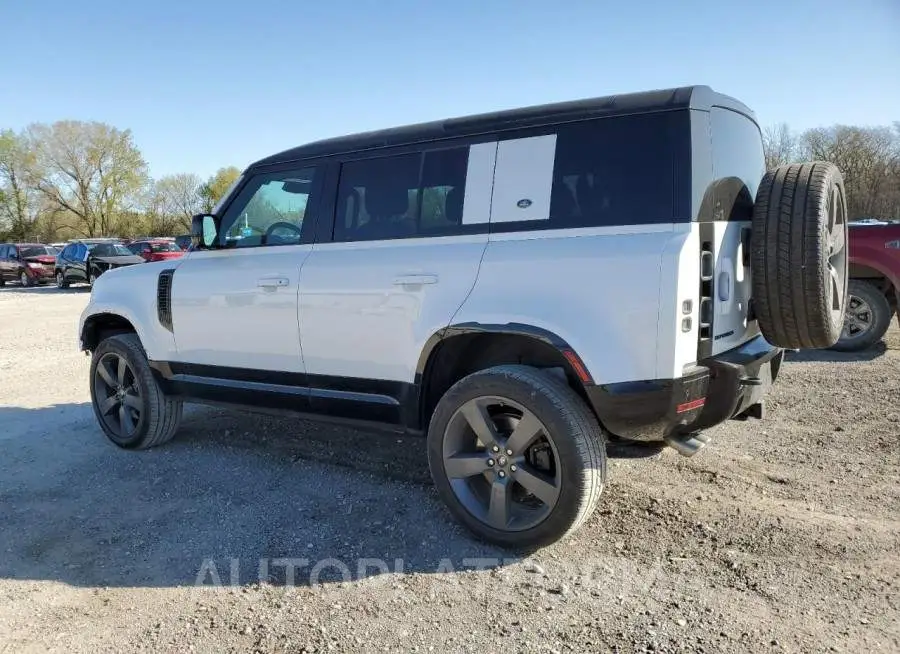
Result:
{"points": [[101, 326]]}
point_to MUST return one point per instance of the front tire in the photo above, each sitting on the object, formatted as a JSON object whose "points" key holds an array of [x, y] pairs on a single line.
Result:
{"points": [[61, 282], [24, 279], [867, 318], [517, 456], [131, 408]]}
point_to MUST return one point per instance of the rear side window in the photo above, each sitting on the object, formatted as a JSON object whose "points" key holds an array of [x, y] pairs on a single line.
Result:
{"points": [[403, 196], [627, 170]]}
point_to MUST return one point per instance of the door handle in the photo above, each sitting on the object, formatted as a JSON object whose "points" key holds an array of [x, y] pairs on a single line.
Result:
{"points": [[414, 280], [272, 282]]}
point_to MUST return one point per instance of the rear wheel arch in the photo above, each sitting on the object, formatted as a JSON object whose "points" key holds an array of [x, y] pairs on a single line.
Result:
{"points": [[874, 274], [461, 350]]}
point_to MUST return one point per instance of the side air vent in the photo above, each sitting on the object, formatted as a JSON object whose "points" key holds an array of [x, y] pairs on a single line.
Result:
{"points": [[164, 298]]}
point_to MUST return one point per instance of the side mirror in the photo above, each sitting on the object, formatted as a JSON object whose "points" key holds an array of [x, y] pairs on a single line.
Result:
{"points": [[204, 230]]}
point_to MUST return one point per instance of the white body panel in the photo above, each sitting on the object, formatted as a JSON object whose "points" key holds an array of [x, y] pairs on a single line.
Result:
{"points": [[733, 288], [367, 308], [523, 179], [679, 277], [477, 198], [596, 288], [130, 292], [238, 307]]}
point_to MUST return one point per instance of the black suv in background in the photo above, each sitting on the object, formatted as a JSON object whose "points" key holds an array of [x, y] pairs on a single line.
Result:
{"points": [[84, 261], [26, 263]]}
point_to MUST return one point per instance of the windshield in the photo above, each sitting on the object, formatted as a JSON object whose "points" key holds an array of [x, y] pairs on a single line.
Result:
{"points": [[38, 251], [110, 250]]}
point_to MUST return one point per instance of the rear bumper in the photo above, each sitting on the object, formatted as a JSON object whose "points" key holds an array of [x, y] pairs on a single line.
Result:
{"points": [[717, 389]]}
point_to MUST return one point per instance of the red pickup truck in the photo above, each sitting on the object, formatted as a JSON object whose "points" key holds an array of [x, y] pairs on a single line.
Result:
{"points": [[874, 285]]}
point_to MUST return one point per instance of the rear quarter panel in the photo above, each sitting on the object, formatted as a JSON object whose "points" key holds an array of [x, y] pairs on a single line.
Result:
{"points": [[596, 288]]}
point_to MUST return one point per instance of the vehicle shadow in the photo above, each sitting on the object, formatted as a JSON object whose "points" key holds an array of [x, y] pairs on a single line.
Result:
{"points": [[833, 356], [236, 498]]}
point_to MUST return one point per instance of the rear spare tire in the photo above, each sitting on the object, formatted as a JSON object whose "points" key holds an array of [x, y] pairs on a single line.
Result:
{"points": [[799, 255]]}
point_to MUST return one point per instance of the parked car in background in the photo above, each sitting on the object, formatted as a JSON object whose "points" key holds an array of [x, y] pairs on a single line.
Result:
{"points": [[156, 249], [27, 263], [84, 261], [874, 288]]}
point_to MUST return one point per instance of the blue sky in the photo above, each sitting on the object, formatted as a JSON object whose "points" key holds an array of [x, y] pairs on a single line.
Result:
{"points": [[204, 84]]}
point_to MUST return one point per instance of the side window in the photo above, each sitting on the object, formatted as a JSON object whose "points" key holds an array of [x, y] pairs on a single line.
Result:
{"points": [[613, 171], [4, 253], [404, 196], [271, 209], [67, 252]]}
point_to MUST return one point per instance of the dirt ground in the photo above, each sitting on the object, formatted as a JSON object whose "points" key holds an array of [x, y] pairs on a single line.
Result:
{"points": [[255, 533]]}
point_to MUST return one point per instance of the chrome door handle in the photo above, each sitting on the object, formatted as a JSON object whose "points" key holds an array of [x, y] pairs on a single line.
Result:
{"points": [[415, 280], [272, 282]]}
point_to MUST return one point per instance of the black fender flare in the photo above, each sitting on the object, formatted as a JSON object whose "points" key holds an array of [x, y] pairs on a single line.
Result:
{"points": [[547, 337]]}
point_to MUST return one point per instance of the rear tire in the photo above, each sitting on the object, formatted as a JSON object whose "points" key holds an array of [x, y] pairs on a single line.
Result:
{"points": [[129, 404], [867, 319], [548, 483], [799, 255]]}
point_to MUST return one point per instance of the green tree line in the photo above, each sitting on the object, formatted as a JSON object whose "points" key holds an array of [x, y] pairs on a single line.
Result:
{"points": [[74, 179]]}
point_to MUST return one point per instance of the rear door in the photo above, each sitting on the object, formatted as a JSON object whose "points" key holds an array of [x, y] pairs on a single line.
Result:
{"points": [[409, 233], [738, 165]]}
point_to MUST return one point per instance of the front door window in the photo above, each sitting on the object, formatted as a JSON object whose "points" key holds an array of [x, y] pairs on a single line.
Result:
{"points": [[270, 210]]}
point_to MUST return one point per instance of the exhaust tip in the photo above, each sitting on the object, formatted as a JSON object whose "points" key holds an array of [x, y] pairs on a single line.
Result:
{"points": [[687, 444]]}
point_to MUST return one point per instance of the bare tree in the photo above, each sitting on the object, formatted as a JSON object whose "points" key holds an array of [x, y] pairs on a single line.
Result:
{"points": [[174, 199], [869, 158], [92, 171], [779, 145]]}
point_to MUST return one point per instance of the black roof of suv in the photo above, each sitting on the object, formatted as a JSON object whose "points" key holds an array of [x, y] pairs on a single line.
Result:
{"points": [[688, 97]]}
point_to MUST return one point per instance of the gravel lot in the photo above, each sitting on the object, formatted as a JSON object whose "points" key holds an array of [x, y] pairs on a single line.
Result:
{"points": [[782, 536]]}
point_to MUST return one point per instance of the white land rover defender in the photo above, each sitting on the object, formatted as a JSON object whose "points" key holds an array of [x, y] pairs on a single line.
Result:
{"points": [[519, 286]]}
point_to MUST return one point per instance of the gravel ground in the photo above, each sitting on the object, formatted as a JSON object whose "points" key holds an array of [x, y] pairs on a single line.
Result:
{"points": [[782, 536]]}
